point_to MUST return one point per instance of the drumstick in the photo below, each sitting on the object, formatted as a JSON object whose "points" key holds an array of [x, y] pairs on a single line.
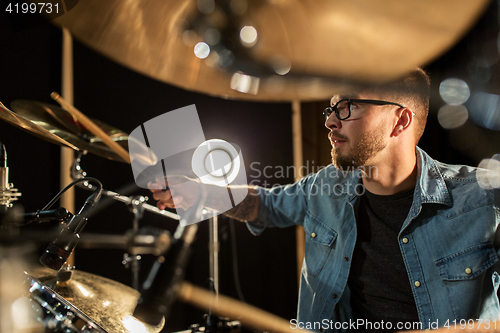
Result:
{"points": [[92, 127], [227, 307]]}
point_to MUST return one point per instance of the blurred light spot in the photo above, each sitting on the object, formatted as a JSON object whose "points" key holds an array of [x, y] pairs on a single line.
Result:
{"points": [[248, 35], [206, 6], [134, 325], [212, 60], [202, 50], [484, 110], [24, 316], [452, 116], [281, 65], [238, 7], [212, 36], [479, 70], [189, 38], [245, 83], [454, 91], [226, 58], [488, 174]]}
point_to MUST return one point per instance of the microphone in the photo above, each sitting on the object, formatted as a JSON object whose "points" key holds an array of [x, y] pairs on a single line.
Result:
{"points": [[7, 191], [59, 250], [158, 293], [60, 214]]}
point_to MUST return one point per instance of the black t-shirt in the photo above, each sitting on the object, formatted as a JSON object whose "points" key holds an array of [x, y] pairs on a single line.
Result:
{"points": [[379, 284]]}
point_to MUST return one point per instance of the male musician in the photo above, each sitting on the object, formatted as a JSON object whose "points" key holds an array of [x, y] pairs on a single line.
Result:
{"points": [[394, 239]]}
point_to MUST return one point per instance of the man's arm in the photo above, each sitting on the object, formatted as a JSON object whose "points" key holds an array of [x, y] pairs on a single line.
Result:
{"points": [[187, 191], [248, 209]]}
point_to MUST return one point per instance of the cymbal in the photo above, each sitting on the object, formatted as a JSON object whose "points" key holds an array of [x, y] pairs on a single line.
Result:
{"points": [[55, 125], [294, 50], [109, 303], [31, 127]]}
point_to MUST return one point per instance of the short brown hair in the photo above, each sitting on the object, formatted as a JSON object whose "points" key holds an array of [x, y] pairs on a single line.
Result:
{"points": [[412, 90]]}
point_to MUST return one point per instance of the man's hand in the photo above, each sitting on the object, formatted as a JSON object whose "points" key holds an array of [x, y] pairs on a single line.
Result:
{"points": [[183, 192], [177, 191]]}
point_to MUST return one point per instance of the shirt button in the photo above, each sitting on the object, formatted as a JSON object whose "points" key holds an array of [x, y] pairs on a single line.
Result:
{"points": [[334, 296], [405, 240], [313, 235], [346, 258], [417, 284], [468, 270]]}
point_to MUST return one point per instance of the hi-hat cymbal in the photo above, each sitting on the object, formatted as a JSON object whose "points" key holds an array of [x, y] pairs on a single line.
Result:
{"points": [[55, 125], [299, 49], [108, 303]]}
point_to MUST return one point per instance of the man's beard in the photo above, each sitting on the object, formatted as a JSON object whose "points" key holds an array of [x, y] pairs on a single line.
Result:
{"points": [[368, 146]]}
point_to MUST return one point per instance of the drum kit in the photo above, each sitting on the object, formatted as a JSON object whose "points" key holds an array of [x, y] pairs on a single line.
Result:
{"points": [[63, 299], [260, 50]]}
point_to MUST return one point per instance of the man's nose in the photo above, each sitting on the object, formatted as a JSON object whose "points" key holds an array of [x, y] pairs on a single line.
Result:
{"points": [[333, 122]]}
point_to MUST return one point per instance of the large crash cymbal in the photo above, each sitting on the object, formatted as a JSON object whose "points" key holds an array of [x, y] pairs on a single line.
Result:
{"points": [[55, 125], [108, 303], [305, 49]]}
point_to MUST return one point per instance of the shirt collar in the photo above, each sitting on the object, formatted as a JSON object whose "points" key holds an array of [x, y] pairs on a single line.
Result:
{"points": [[431, 187]]}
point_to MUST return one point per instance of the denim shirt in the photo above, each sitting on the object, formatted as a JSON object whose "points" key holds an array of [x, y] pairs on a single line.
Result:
{"points": [[448, 242]]}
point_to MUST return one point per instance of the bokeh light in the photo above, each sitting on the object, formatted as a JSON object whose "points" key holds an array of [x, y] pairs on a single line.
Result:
{"points": [[484, 110], [212, 36], [189, 38], [452, 116], [245, 83], [248, 36], [488, 173], [202, 50], [206, 6], [454, 91], [281, 65]]}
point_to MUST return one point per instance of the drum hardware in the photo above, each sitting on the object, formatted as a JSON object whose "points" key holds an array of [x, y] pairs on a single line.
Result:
{"points": [[159, 290], [75, 301], [224, 306], [77, 173], [57, 314], [132, 261], [137, 205], [148, 240], [220, 325]]}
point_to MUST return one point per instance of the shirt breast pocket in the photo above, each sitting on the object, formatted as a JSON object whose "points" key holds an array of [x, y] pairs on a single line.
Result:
{"points": [[320, 240], [464, 274]]}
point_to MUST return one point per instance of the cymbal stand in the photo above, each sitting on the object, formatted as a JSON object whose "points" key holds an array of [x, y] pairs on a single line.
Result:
{"points": [[77, 173], [137, 206], [132, 260], [212, 323]]}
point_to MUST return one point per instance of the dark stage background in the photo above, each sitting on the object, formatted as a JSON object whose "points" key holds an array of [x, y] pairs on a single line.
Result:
{"points": [[30, 61]]}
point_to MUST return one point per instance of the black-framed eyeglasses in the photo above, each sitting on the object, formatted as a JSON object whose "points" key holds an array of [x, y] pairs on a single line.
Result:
{"points": [[343, 108]]}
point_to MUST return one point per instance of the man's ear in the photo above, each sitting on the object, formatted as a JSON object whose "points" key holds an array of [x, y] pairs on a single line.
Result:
{"points": [[404, 121]]}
